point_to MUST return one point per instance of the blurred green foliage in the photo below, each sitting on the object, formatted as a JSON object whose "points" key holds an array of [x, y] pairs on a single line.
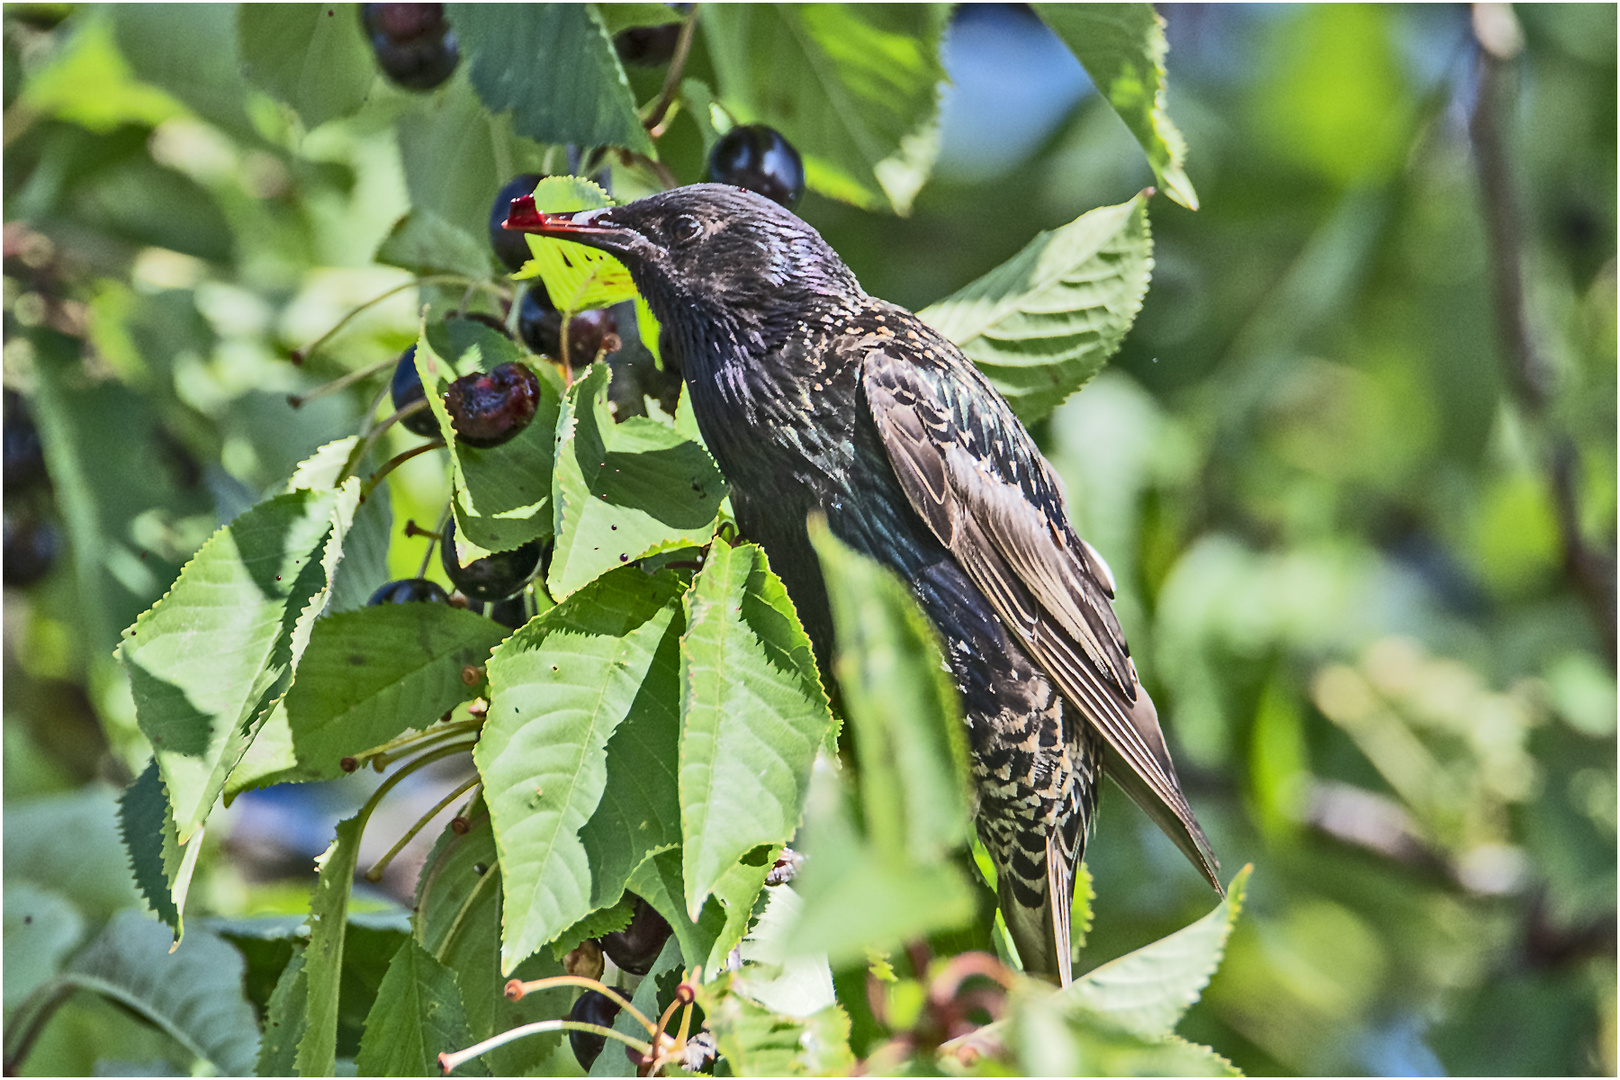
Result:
{"points": [[1342, 537]]}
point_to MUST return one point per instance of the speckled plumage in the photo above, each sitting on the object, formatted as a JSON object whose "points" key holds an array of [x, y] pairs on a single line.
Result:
{"points": [[814, 396]]}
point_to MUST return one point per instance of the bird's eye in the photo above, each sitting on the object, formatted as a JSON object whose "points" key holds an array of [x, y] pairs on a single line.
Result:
{"points": [[686, 228]]}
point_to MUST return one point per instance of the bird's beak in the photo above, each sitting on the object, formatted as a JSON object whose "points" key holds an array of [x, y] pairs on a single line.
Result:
{"points": [[593, 228]]}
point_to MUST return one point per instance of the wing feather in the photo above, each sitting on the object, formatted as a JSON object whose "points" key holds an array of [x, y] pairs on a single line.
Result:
{"points": [[1001, 515]]}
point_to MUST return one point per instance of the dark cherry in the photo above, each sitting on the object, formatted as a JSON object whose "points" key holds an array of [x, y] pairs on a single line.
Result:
{"points": [[636, 946], [758, 158], [539, 323], [510, 247], [511, 612], [590, 333], [400, 22], [494, 577], [489, 407], [414, 44], [24, 453], [30, 549], [406, 388], [647, 46], [410, 590], [591, 1007]]}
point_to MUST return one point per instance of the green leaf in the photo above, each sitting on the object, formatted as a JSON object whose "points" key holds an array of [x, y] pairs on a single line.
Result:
{"points": [[876, 871], [424, 242], [286, 1018], [458, 921], [191, 52], [88, 83], [708, 939], [323, 957], [41, 928], [623, 491], [306, 56], [578, 752], [774, 974], [502, 493], [847, 84], [1147, 991], [69, 842], [417, 1015], [193, 991], [1122, 48], [752, 714], [858, 895], [208, 661], [1043, 322], [101, 440], [552, 66], [451, 125], [903, 711], [162, 871], [757, 1042], [576, 277], [594, 925], [372, 674], [364, 565], [1040, 1037]]}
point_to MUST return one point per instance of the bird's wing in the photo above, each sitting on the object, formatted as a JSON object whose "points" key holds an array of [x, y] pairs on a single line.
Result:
{"points": [[972, 472]]}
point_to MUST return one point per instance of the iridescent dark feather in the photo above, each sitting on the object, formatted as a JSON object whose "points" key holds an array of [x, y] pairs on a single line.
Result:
{"points": [[814, 396]]}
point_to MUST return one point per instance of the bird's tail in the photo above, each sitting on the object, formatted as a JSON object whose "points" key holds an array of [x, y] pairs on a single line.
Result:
{"points": [[1041, 931]]}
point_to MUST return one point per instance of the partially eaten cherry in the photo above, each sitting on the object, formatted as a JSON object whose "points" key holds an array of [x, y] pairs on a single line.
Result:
{"points": [[489, 407]]}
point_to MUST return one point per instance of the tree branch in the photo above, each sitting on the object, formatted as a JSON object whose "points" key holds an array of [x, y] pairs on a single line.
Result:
{"points": [[1529, 374]]}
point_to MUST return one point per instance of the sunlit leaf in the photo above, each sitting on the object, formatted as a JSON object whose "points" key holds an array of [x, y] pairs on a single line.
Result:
{"points": [[752, 714], [1122, 48], [1147, 991], [623, 491], [578, 753], [208, 662], [576, 277], [1043, 322]]}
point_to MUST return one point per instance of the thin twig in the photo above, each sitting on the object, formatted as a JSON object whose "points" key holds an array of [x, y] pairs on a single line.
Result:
{"points": [[672, 78], [1529, 374]]}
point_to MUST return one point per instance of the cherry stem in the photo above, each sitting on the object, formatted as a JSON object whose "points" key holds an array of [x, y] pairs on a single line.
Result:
{"points": [[405, 770], [448, 1063], [516, 990], [397, 460], [427, 556], [672, 78], [427, 739], [375, 874], [415, 739], [298, 401], [376, 433]]}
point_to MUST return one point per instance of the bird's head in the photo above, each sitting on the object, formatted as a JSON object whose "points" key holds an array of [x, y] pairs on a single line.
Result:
{"points": [[707, 252]]}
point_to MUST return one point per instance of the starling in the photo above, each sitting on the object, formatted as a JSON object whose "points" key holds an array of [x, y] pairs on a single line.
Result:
{"points": [[816, 397]]}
